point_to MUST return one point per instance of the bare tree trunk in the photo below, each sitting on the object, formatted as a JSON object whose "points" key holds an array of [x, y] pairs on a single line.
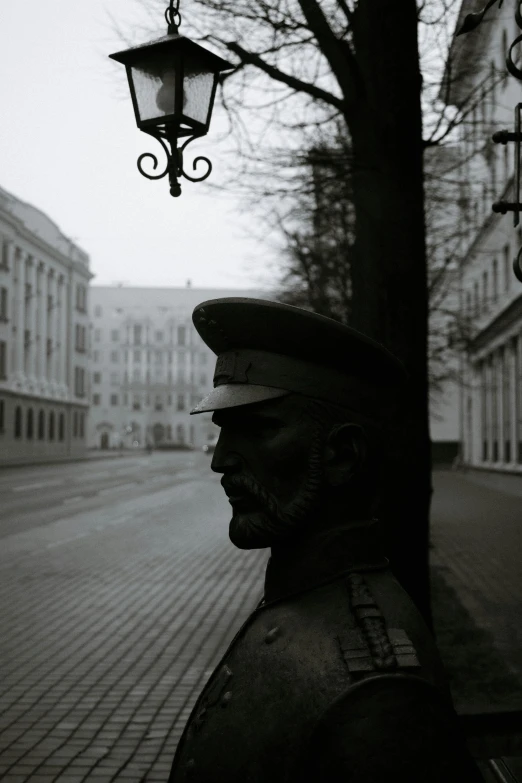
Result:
{"points": [[389, 270]]}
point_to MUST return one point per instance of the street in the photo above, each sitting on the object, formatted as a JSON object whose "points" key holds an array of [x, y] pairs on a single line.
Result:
{"points": [[120, 591]]}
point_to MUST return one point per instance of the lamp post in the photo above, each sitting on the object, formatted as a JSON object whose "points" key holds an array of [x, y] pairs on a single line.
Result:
{"points": [[172, 81]]}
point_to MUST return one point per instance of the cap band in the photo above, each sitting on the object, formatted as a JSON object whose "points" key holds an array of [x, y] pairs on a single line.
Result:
{"points": [[295, 375]]}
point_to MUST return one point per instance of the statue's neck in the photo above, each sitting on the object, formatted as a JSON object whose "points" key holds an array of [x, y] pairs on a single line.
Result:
{"points": [[320, 556]]}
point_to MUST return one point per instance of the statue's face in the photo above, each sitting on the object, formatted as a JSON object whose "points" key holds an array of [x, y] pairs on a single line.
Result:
{"points": [[270, 455]]}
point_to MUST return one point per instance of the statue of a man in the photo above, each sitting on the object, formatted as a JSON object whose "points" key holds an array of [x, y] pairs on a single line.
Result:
{"points": [[334, 676]]}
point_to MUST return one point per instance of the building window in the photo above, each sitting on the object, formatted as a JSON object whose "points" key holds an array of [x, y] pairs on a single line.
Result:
{"points": [[180, 433], [517, 349], [181, 402], [115, 335], [125, 399], [181, 335], [96, 377], [96, 356], [81, 298], [136, 374], [61, 427], [136, 404], [137, 355], [96, 399], [97, 335], [115, 357], [5, 255], [75, 424], [158, 404], [3, 304], [51, 425], [97, 311], [137, 334], [505, 376], [79, 381], [82, 424], [485, 291], [18, 422], [507, 270], [494, 406], [30, 424], [41, 425], [159, 337], [504, 55], [484, 409], [3, 360], [81, 341], [495, 279], [114, 399], [2, 415]]}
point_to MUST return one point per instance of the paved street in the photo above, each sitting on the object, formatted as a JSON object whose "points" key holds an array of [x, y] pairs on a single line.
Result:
{"points": [[120, 591]]}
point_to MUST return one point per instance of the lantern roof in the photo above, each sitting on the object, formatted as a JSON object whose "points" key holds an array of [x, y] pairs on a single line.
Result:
{"points": [[128, 56]]}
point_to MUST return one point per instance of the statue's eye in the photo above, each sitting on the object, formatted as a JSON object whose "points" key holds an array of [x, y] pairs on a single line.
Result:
{"points": [[262, 424]]}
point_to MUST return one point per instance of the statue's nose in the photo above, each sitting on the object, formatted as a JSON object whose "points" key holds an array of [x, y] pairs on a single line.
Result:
{"points": [[224, 459]]}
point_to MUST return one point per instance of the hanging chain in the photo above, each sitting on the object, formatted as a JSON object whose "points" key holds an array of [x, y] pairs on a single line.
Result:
{"points": [[172, 14]]}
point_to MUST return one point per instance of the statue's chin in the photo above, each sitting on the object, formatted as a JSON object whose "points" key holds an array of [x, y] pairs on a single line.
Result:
{"points": [[251, 530]]}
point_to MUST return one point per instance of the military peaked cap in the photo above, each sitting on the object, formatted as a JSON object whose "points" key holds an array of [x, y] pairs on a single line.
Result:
{"points": [[266, 350]]}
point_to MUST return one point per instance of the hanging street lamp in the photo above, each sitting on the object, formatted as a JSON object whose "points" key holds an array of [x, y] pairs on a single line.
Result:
{"points": [[173, 83]]}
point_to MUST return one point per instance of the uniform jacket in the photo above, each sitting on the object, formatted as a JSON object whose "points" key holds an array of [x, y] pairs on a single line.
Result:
{"points": [[300, 693]]}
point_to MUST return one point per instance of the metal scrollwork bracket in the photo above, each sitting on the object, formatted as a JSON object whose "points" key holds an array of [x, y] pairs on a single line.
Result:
{"points": [[515, 206], [174, 167]]}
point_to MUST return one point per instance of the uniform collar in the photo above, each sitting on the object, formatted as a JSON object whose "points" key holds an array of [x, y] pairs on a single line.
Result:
{"points": [[322, 558]]}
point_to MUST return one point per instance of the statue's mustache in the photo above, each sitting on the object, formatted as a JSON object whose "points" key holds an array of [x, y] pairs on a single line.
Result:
{"points": [[251, 487]]}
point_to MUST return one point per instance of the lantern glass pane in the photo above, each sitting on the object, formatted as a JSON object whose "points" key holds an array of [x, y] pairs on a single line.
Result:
{"points": [[198, 82], [154, 80]]}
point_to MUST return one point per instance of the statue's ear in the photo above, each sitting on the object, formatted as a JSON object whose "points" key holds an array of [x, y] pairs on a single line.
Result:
{"points": [[344, 453]]}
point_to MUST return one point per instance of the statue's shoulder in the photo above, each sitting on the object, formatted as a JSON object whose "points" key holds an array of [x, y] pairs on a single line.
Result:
{"points": [[385, 728]]}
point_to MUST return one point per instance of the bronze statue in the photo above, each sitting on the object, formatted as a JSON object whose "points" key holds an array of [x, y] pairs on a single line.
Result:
{"points": [[334, 676]]}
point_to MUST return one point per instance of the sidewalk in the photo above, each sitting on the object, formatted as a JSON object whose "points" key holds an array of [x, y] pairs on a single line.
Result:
{"points": [[476, 527]]}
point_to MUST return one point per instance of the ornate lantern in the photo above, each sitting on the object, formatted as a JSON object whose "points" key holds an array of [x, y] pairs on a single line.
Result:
{"points": [[172, 82]]}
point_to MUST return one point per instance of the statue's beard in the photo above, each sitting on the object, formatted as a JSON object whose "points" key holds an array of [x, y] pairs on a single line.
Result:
{"points": [[270, 523]]}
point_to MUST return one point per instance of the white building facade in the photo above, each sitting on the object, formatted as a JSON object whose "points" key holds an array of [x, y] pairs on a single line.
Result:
{"points": [[149, 367], [44, 283], [490, 295]]}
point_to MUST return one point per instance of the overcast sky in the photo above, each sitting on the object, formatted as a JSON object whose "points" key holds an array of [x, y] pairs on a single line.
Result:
{"points": [[69, 145]]}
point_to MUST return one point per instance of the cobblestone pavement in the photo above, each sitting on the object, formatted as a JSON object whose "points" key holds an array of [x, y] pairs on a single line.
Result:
{"points": [[117, 613], [116, 619], [476, 525]]}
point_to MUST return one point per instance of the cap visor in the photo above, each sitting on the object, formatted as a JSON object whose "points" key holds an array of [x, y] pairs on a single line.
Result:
{"points": [[231, 395]]}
